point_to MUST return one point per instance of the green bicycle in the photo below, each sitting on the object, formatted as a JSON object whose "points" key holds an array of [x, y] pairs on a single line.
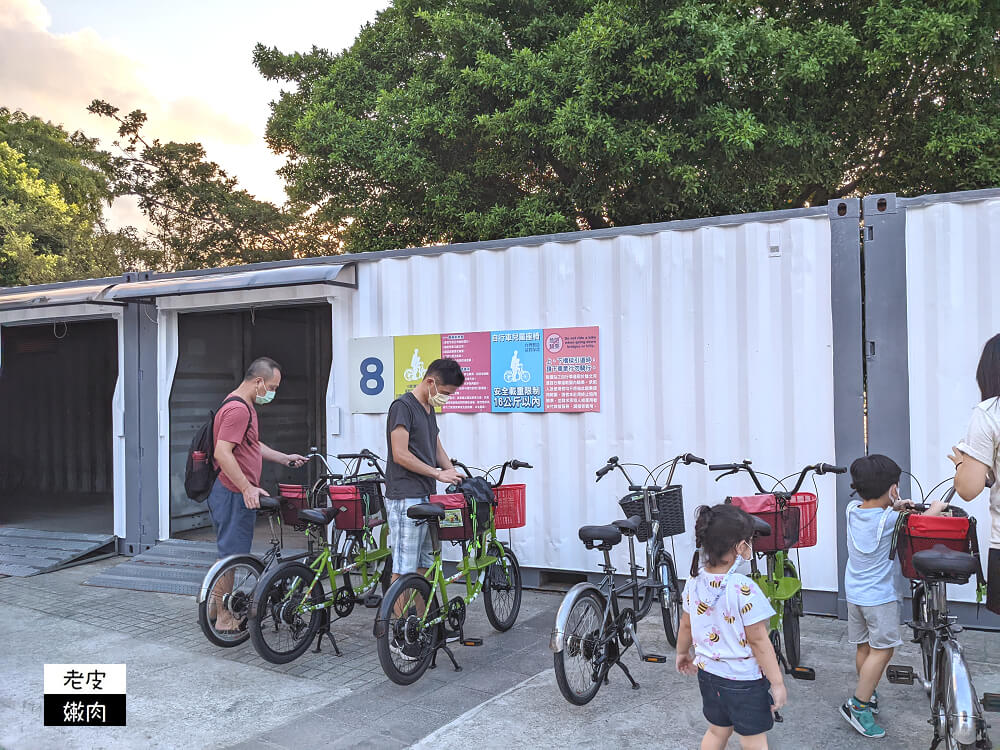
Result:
{"points": [[779, 528], [289, 605], [417, 619]]}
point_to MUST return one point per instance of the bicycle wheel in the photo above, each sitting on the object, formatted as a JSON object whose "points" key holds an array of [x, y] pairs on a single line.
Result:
{"points": [[379, 570], [502, 590], [922, 615], [279, 630], [577, 673], [230, 592], [405, 648], [790, 625], [670, 598]]}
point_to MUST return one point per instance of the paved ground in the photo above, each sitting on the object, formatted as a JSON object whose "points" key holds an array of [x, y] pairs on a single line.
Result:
{"points": [[185, 693]]}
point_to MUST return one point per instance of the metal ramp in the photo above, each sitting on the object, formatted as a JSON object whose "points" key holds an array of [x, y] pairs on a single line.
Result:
{"points": [[174, 566], [28, 552]]}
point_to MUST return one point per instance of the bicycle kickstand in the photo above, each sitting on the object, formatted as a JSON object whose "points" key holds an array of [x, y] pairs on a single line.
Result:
{"points": [[635, 685], [444, 647], [325, 630]]}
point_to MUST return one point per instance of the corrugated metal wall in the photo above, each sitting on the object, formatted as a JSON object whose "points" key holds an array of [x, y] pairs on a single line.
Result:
{"points": [[213, 352], [953, 307], [56, 386], [716, 340]]}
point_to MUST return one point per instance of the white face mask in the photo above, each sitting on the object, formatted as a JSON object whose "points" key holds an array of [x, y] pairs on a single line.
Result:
{"points": [[439, 399], [741, 564]]}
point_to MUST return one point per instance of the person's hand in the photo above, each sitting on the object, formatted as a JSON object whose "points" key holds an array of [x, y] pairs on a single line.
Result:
{"points": [[294, 460], [449, 476], [902, 504], [956, 456], [685, 664], [780, 696], [251, 497], [937, 508]]}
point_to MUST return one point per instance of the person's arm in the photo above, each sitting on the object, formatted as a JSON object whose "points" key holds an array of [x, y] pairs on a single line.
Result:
{"points": [[970, 474], [227, 464], [763, 652], [399, 439], [277, 457], [685, 662]]}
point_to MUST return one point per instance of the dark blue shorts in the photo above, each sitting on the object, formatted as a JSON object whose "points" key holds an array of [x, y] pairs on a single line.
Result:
{"points": [[744, 705], [232, 520]]}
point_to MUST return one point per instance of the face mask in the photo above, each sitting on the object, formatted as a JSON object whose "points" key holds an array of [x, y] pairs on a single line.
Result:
{"points": [[267, 398], [741, 564], [439, 399]]}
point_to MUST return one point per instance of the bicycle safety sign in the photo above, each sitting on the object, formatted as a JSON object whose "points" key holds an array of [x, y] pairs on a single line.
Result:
{"points": [[524, 370], [84, 695]]}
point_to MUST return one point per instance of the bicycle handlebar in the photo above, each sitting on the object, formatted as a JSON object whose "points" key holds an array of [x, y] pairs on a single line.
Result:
{"points": [[819, 469], [513, 464]]}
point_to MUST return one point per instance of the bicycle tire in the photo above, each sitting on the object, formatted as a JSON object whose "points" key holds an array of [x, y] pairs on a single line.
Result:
{"points": [[921, 614], [391, 629], [671, 608], [506, 586], [271, 610], [790, 625], [238, 608], [577, 645]]}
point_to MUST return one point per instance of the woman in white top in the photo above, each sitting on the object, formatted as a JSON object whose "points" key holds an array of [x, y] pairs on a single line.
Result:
{"points": [[977, 459]]}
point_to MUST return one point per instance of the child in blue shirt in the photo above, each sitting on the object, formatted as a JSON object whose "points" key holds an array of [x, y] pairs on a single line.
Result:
{"points": [[726, 621], [870, 582]]}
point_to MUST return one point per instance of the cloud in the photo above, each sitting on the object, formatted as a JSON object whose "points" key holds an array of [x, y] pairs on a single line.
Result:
{"points": [[55, 76]]}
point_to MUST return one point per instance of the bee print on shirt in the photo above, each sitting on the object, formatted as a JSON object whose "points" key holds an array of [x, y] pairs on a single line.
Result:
{"points": [[746, 608], [743, 639], [745, 589], [729, 617], [714, 635], [700, 664], [715, 583], [702, 608]]}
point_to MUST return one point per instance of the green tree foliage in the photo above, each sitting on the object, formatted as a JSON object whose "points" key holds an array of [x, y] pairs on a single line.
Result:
{"points": [[200, 216], [455, 120], [53, 190]]}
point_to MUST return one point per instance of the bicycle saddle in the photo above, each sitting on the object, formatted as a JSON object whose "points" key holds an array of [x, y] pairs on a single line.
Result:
{"points": [[318, 516], [594, 535], [941, 563], [425, 511], [761, 527], [269, 503], [629, 526]]}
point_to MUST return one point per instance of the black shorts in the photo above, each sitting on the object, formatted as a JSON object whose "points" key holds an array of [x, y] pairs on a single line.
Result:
{"points": [[744, 705], [993, 581]]}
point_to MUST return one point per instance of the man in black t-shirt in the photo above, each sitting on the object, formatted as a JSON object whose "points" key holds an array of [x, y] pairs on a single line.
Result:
{"points": [[416, 462]]}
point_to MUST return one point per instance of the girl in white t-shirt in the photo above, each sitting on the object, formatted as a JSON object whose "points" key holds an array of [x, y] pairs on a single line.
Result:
{"points": [[724, 633], [977, 459]]}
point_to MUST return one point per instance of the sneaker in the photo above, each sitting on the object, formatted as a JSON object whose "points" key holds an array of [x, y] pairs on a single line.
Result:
{"points": [[863, 721], [406, 652], [873, 703]]}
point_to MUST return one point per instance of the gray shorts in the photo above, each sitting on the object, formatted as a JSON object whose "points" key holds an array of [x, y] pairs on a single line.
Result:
{"points": [[877, 626], [411, 544]]}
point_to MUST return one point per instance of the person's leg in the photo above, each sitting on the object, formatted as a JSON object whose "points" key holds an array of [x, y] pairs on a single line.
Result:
{"points": [[860, 656], [871, 672], [754, 742], [716, 737], [235, 523]]}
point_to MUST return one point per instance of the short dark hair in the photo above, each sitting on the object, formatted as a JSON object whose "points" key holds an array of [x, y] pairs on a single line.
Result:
{"points": [[262, 367], [717, 529], [448, 371], [872, 476], [988, 372]]}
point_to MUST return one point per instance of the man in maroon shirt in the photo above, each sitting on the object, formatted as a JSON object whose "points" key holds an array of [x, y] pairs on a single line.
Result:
{"points": [[239, 455]]}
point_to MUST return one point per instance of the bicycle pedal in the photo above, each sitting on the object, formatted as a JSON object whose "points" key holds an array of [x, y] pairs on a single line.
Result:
{"points": [[803, 673], [655, 658], [899, 675], [472, 642], [991, 702], [372, 601]]}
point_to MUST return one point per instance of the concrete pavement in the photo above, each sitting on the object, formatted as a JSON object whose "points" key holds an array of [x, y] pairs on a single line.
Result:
{"points": [[185, 693]]}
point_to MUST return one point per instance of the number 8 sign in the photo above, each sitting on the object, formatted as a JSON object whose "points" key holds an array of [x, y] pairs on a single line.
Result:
{"points": [[371, 379]]}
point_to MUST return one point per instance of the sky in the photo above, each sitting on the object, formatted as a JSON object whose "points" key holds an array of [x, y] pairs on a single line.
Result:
{"points": [[186, 63]]}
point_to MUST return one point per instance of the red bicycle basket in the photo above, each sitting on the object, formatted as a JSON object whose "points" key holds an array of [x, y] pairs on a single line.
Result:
{"points": [[295, 497], [348, 498], [510, 511], [784, 522], [456, 526], [919, 533], [806, 503]]}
